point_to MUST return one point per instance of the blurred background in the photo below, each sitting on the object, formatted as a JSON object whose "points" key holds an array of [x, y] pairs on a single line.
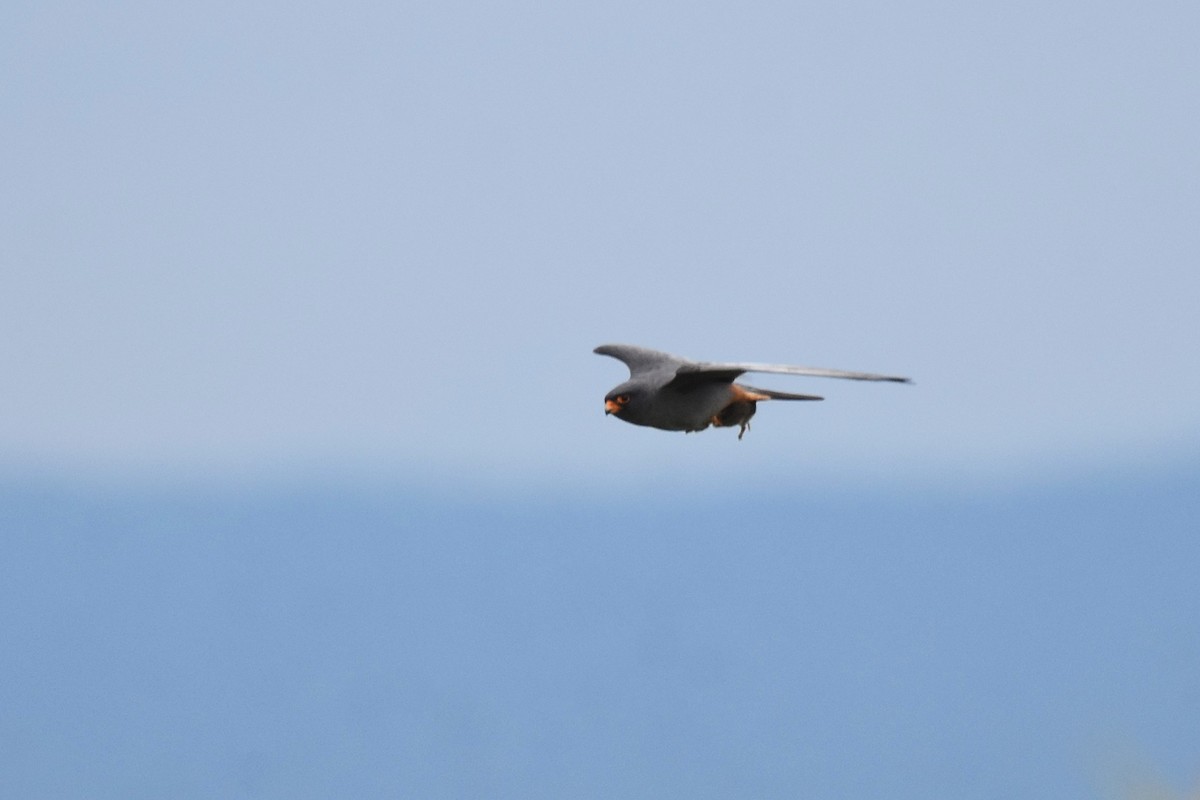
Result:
{"points": [[306, 484]]}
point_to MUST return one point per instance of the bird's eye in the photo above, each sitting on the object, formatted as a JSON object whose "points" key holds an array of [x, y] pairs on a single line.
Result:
{"points": [[622, 399]]}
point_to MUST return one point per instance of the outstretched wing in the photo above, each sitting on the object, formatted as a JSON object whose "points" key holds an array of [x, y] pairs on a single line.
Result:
{"points": [[700, 371], [641, 360]]}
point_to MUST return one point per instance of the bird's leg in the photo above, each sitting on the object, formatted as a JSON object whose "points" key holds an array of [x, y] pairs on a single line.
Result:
{"points": [[736, 413]]}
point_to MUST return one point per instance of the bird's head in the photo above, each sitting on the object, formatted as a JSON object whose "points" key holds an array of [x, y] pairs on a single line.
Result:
{"points": [[620, 400]]}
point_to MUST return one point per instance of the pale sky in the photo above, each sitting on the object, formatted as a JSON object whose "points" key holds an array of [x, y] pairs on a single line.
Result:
{"points": [[254, 237], [374, 244]]}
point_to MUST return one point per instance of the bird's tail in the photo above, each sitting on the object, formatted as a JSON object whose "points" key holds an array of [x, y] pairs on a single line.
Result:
{"points": [[774, 395]]}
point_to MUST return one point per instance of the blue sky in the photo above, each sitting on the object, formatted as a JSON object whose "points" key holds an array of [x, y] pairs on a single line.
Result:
{"points": [[307, 486], [260, 238]]}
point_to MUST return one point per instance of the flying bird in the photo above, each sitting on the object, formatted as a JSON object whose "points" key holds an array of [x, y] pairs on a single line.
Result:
{"points": [[677, 394]]}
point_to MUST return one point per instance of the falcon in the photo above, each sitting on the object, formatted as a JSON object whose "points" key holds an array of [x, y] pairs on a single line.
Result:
{"points": [[677, 394]]}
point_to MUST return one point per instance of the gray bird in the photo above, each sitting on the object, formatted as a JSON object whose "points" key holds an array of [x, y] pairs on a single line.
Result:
{"points": [[677, 394]]}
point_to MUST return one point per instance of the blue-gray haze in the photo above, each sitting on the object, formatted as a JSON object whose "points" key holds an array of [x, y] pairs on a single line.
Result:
{"points": [[310, 643]]}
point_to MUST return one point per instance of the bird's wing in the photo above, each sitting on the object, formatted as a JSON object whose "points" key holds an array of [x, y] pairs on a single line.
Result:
{"points": [[641, 360], [700, 371]]}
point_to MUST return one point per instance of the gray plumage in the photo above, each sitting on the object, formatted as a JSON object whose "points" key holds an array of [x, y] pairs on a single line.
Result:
{"points": [[677, 394]]}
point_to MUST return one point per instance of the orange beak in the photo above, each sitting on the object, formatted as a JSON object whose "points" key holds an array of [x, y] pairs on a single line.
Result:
{"points": [[611, 406]]}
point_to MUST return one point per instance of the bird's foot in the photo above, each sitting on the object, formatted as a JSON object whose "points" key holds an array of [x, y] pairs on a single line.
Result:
{"points": [[745, 427]]}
